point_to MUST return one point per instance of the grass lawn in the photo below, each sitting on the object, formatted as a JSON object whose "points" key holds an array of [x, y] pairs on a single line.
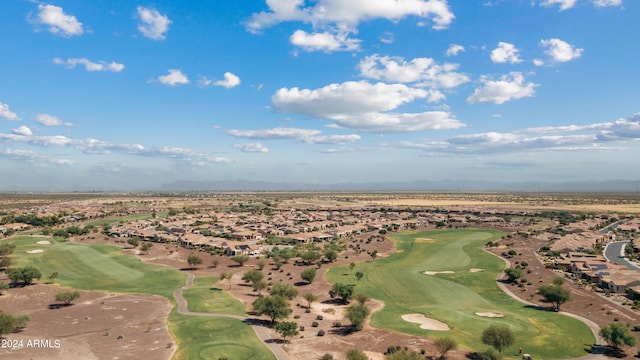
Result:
{"points": [[400, 282], [214, 338], [204, 297], [124, 219]]}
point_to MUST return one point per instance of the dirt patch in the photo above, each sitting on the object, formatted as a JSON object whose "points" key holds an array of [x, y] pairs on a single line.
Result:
{"points": [[425, 322], [475, 270], [35, 251], [438, 272], [424, 240], [490, 314], [44, 242]]}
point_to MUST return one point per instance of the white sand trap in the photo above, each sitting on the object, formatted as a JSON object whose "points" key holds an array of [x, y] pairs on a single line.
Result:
{"points": [[337, 314], [476, 270], [490, 314], [44, 242], [36, 251], [425, 322], [438, 272]]}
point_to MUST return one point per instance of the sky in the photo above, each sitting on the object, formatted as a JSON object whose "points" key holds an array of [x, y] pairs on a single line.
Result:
{"points": [[127, 95]]}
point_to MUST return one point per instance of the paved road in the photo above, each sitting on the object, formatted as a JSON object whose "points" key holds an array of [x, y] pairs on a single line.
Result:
{"points": [[614, 252], [262, 332]]}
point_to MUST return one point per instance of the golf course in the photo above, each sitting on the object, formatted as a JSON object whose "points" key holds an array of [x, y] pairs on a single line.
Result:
{"points": [[107, 268], [445, 275]]}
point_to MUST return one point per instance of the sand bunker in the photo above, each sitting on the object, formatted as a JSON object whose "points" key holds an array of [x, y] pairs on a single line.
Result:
{"points": [[44, 242], [438, 272], [490, 314], [425, 322], [36, 251], [475, 270]]}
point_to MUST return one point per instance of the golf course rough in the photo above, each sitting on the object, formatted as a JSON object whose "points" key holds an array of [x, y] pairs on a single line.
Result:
{"points": [[456, 296]]}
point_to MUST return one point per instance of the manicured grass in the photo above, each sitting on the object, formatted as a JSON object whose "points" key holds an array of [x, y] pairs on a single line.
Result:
{"points": [[214, 338], [400, 282], [124, 219], [97, 267], [204, 297]]}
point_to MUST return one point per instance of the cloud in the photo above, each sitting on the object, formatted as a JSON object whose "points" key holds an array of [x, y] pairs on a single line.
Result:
{"points": [[324, 41], [59, 23], [7, 114], [606, 3], [387, 38], [331, 139], [423, 71], [89, 65], [510, 87], [49, 120], [559, 50], [230, 81], [505, 53], [252, 148], [22, 130], [24, 155], [173, 78], [564, 4], [454, 50], [347, 14], [305, 136], [153, 25]]}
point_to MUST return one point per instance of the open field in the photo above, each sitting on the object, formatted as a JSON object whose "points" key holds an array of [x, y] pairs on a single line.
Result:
{"points": [[455, 298]]}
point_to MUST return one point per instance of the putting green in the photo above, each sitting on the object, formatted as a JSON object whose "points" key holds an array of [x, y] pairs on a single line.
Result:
{"points": [[454, 298]]}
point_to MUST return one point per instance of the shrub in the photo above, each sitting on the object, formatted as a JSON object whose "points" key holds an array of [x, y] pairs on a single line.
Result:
{"points": [[327, 357], [319, 317], [321, 333], [314, 324]]}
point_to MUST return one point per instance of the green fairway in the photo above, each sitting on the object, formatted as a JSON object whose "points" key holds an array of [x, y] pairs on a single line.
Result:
{"points": [[215, 338], [454, 298], [205, 298]]}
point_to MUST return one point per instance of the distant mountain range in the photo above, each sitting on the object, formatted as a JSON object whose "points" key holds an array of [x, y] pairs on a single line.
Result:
{"points": [[439, 186]]}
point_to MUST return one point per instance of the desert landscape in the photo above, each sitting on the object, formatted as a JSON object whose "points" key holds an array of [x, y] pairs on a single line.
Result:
{"points": [[183, 276]]}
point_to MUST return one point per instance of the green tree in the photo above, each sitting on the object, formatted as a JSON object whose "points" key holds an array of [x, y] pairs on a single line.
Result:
{"points": [[226, 276], [146, 246], [330, 254], [489, 354], [134, 241], [67, 297], [308, 275], [498, 336], [513, 274], [252, 276], [240, 259], [53, 276], [310, 297], [356, 354], [3, 286], [287, 329], [284, 290], [194, 260], [275, 307], [351, 266], [403, 354], [7, 323], [444, 345], [310, 256], [25, 275], [361, 298], [374, 255], [555, 294], [617, 334], [357, 314], [21, 322], [343, 291], [359, 275], [214, 263]]}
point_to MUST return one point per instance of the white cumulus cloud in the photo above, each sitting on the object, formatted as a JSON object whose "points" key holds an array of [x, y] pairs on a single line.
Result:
{"points": [[23, 130], [153, 24], [324, 41], [559, 50], [173, 78], [275, 133], [230, 81], [252, 147], [89, 65], [58, 22], [505, 53], [50, 120], [564, 4], [454, 49], [7, 114], [509, 87], [606, 3]]}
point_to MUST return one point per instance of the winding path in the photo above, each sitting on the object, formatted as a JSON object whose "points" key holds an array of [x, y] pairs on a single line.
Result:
{"points": [[262, 332]]}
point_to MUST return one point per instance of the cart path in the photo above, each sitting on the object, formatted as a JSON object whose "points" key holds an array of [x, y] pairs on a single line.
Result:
{"points": [[262, 332]]}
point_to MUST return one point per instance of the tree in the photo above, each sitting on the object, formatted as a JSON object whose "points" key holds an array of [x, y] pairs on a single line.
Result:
{"points": [[343, 291], [53, 276], [67, 297], [444, 345], [360, 297], [287, 329], [618, 334], [555, 294], [310, 297], [308, 275], [261, 264], [240, 259], [310, 256], [284, 290], [403, 354], [357, 314], [226, 276], [359, 275], [252, 276], [513, 274], [374, 255], [259, 286], [351, 266], [356, 354], [3, 286], [146, 246], [330, 254], [7, 323], [498, 336], [194, 260], [134, 241], [25, 275], [214, 263], [275, 307]]}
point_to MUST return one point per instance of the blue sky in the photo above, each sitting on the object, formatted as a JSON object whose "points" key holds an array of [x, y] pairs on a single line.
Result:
{"points": [[125, 95]]}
